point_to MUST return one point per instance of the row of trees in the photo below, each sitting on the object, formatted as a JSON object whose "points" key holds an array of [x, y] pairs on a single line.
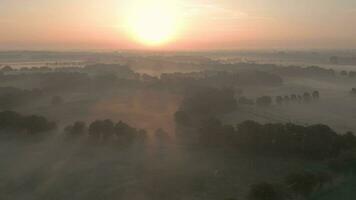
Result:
{"points": [[122, 71], [350, 74], [305, 72], [104, 131], [14, 123], [306, 97], [309, 142]]}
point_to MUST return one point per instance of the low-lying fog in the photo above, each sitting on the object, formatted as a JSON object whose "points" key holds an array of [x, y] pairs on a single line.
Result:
{"points": [[171, 126]]}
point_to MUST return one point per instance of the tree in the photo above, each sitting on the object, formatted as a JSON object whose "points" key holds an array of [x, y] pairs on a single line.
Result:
{"points": [[31, 125], [353, 91], [101, 129], [294, 98], [125, 133], [316, 94], [35, 124], [108, 129], [343, 73], [352, 74], [77, 129]]}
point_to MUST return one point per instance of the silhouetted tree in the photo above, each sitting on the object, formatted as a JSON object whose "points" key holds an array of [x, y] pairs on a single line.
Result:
{"points": [[343, 73], [77, 129], [352, 74], [125, 133], [101, 129], [35, 124], [316, 94], [294, 98], [353, 91]]}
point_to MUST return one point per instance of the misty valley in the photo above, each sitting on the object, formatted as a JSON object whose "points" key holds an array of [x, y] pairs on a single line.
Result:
{"points": [[136, 125]]}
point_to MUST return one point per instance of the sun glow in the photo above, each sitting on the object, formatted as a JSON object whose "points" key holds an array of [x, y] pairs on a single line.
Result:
{"points": [[153, 22]]}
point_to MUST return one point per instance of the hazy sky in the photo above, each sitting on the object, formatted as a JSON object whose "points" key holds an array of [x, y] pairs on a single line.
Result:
{"points": [[204, 24]]}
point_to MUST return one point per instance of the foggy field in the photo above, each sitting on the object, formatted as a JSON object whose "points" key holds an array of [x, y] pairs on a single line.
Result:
{"points": [[336, 108], [60, 170], [176, 126]]}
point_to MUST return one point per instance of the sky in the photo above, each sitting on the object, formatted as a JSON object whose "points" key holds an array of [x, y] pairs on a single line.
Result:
{"points": [[196, 24]]}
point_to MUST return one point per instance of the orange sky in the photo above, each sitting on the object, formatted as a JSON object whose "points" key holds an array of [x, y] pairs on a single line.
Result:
{"points": [[205, 24]]}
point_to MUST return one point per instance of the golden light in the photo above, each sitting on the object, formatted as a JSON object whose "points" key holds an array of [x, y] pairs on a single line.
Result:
{"points": [[153, 22]]}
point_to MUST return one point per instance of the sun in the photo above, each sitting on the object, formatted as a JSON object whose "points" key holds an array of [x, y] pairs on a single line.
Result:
{"points": [[153, 22]]}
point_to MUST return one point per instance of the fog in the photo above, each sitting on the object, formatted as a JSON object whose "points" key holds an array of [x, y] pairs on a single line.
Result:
{"points": [[178, 125]]}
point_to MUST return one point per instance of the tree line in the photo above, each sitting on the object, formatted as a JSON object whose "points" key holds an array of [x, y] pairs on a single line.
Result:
{"points": [[310, 142], [105, 131], [306, 97], [197, 119], [13, 123]]}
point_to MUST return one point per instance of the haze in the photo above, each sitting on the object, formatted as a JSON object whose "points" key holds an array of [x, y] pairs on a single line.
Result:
{"points": [[205, 24], [177, 100]]}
